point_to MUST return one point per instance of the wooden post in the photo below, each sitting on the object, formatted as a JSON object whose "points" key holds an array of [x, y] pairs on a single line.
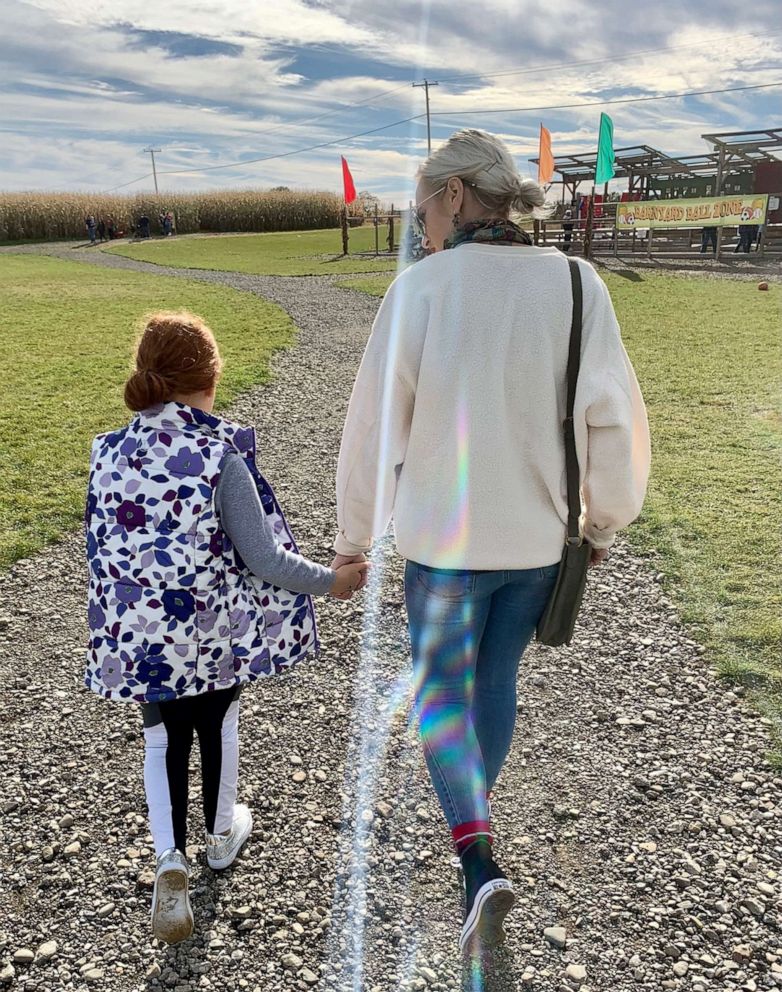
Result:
{"points": [[536, 231], [616, 241], [377, 246], [391, 230], [589, 222], [345, 230], [649, 246]]}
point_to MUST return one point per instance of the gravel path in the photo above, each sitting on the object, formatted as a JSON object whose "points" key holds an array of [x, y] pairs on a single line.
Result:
{"points": [[637, 812]]}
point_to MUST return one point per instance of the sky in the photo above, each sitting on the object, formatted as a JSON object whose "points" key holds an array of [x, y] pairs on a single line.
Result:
{"points": [[87, 85]]}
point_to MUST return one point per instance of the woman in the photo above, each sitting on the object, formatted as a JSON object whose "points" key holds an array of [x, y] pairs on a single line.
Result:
{"points": [[455, 428]]}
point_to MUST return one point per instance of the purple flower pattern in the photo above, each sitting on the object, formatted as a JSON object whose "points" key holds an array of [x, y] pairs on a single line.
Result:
{"points": [[131, 515], [160, 623]]}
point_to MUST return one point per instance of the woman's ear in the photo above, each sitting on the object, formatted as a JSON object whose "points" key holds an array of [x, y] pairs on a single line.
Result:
{"points": [[455, 193]]}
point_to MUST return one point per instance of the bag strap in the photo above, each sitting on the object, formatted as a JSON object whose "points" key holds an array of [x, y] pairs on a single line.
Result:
{"points": [[573, 365]]}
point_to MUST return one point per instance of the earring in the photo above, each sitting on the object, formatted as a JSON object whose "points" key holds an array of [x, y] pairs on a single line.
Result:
{"points": [[457, 219]]}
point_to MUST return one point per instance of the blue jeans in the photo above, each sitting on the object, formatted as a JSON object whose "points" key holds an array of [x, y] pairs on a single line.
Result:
{"points": [[468, 631]]}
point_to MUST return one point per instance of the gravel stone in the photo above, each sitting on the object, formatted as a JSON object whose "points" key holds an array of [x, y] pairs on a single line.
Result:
{"points": [[556, 936], [576, 972], [46, 951], [678, 832]]}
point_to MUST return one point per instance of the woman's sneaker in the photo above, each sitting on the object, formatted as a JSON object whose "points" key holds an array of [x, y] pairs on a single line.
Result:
{"points": [[489, 897], [221, 850], [172, 917]]}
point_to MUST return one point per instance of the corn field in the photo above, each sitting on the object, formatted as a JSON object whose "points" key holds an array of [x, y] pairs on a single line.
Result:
{"points": [[50, 216]]}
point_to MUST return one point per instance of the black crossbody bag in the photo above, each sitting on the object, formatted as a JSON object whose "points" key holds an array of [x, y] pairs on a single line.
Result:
{"points": [[559, 618]]}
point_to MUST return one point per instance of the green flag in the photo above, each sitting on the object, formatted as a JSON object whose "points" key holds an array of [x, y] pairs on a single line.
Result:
{"points": [[605, 151]]}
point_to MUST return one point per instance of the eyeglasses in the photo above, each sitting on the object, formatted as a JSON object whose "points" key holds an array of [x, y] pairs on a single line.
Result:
{"points": [[419, 217]]}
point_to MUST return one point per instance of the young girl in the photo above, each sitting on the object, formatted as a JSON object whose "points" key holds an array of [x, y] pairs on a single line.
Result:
{"points": [[196, 587]]}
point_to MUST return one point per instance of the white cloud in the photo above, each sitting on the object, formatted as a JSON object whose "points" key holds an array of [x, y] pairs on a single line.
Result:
{"points": [[80, 98], [237, 21]]}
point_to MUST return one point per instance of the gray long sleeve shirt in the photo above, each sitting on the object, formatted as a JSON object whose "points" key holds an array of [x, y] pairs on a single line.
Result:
{"points": [[243, 519]]}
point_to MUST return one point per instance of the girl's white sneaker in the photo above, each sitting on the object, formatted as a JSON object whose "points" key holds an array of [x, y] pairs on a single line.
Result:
{"points": [[172, 917], [221, 850]]}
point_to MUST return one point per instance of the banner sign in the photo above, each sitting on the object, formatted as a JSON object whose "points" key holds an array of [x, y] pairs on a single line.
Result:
{"points": [[713, 211]]}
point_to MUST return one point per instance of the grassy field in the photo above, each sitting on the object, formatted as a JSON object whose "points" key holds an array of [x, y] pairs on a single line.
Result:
{"points": [[374, 285], [68, 330], [707, 355], [706, 352], [291, 254], [708, 358]]}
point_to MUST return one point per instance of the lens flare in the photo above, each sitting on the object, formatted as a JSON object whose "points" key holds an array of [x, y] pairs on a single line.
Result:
{"points": [[445, 643], [382, 694]]}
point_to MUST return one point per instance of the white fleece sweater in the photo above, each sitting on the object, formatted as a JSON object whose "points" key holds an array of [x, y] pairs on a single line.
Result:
{"points": [[455, 422]]}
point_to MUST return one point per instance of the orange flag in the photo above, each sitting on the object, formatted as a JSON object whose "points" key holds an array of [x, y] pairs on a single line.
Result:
{"points": [[545, 158]]}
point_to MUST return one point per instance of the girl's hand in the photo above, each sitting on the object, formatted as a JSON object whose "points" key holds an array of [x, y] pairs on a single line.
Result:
{"points": [[350, 577], [598, 555]]}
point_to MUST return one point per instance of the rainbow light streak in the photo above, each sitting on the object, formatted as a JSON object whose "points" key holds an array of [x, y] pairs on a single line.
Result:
{"points": [[444, 698]]}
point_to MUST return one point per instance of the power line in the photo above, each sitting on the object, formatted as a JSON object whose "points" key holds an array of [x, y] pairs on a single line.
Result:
{"points": [[611, 58], [295, 151], [446, 113], [507, 72], [330, 113], [123, 185], [312, 120], [490, 75], [604, 103], [279, 127]]}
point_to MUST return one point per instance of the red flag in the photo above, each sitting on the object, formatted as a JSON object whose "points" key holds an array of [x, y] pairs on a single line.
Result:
{"points": [[347, 179]]}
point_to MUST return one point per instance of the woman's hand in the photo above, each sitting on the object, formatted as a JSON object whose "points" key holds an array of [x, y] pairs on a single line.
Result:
{"points": [[598, 555], [340, 560], [351, 576]]}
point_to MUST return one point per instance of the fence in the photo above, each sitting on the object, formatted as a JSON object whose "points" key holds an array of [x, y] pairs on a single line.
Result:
{"points": [[606, 239], [391, 237]]}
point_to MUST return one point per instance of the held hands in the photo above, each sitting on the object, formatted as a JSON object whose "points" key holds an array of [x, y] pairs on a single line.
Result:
{"points": [[352, 575]]}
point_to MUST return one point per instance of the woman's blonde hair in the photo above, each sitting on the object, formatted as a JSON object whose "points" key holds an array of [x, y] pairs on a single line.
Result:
{"points": [[483, 161]]}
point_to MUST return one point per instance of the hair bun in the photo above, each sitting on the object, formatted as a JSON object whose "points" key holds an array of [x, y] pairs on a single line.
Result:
{"points": [[176, 355], [530, 196], [146, 388]]}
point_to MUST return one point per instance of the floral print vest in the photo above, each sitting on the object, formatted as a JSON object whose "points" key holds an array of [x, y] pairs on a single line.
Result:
{"points": [[173, 611]]}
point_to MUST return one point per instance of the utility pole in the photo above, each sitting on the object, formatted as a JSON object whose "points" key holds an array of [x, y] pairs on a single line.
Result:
{"points": [[154, 170], [426, 84]]}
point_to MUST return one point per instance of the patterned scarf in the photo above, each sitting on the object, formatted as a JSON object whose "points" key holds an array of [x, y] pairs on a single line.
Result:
{"points": [[502, 232]]}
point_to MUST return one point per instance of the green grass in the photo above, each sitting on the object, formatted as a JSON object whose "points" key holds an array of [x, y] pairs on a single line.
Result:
{"points": [[296, 253], [68, 331], [373, 285], [708, 357]]}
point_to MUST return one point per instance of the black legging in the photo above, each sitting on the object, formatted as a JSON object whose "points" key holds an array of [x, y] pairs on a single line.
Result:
{"points": [[168, 733]]}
